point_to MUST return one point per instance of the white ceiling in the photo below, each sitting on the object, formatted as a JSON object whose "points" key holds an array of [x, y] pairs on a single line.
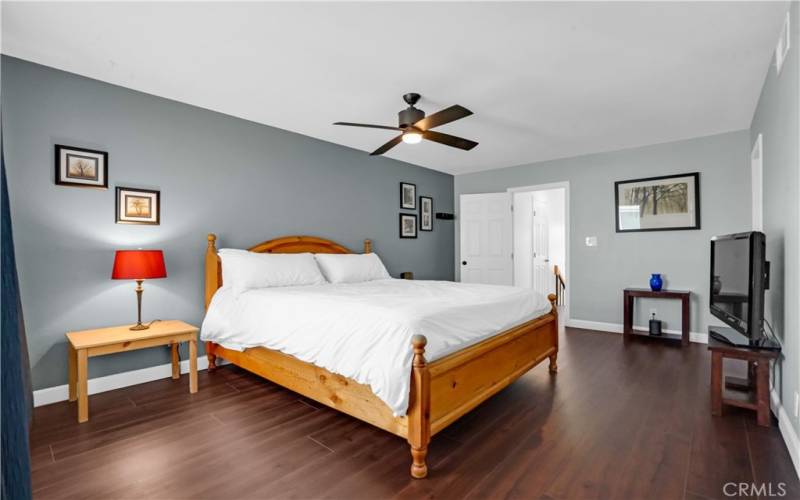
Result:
{"points": [[545, 80]]}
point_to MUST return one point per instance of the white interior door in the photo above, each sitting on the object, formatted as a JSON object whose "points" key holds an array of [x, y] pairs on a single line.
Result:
{"points": [[542, 275], [485, 224]]}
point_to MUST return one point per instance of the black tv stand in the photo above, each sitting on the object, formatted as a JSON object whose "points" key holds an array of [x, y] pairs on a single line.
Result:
{"points": [[733, 338]]}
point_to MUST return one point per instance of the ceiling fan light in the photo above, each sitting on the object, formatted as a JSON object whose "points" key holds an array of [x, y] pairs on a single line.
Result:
{"points": [[412, 137]]}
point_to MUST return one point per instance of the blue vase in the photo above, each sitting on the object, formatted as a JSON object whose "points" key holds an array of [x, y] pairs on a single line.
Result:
{"points": [[656, 282]]}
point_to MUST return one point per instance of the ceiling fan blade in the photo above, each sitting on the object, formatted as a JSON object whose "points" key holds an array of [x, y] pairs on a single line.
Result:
{"points": [[367, 125], [449, 140], [446, 115], [389, 145]]}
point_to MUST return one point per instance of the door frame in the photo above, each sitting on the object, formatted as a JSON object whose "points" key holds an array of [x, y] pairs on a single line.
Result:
{"points": [[757, 183], [544, 187]]}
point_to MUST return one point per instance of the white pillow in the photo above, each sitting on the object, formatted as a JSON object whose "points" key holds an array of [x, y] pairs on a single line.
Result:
{"points": [[245, 270], [351, 268]]}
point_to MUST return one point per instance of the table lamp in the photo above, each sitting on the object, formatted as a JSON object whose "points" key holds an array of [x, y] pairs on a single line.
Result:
{"points": [[139, 265]]}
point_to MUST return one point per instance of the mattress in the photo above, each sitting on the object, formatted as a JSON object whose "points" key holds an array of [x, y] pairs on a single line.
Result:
{"points": [[363, 330]]}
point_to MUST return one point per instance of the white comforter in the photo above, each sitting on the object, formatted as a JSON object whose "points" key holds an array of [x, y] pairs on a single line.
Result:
{"points": [[363, 330]]}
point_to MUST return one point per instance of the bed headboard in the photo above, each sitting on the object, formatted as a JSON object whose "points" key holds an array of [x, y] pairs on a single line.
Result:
{"points": [[287, 244]]}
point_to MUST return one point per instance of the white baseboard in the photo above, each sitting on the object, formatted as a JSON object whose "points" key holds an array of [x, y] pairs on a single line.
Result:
{"points": [[117, 381], [787, 430], [594, 325], [700, 338]]}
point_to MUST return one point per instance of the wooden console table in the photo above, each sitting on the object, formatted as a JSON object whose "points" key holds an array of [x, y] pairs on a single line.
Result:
{"points": [[751, 393], [627, 302]]}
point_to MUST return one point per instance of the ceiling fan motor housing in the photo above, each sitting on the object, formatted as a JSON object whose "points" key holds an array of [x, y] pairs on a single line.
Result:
{"points": [[410, 116]]}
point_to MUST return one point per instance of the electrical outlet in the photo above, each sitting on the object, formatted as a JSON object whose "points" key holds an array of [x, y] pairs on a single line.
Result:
{"points": [[796, 404]]}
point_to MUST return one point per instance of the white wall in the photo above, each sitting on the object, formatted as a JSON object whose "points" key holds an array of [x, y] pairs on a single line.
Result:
{"points": [[777, 119]]}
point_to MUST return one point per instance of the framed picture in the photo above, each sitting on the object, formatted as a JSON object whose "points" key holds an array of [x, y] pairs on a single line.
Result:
{"points": [[408, 196], [666, 203], [80, 167], [425, 213], [408, 225], [138, 206]]}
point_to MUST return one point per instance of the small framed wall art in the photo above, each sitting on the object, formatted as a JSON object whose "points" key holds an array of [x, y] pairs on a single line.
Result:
{"points": [[79, 167], [138, 206], [408, 225], [425, 213], [408, 196]]}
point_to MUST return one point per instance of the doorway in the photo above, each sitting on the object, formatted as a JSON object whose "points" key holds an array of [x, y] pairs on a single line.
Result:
{"points": [[517, 237], [540, 220]]}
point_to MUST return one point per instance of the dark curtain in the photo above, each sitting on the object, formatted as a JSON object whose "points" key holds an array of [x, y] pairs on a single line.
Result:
{"points": [[16, 393]]}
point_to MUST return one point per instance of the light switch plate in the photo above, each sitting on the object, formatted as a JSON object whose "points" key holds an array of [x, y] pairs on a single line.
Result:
{"points": [[591, 241]]}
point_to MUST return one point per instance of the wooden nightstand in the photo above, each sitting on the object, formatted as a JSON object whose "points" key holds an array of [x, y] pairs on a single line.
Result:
{"points": [[87, 343]]}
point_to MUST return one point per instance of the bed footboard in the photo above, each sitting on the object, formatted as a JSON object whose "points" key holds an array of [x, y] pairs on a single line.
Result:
{"points": [[445, 390], [465, 379], [441, 392]]}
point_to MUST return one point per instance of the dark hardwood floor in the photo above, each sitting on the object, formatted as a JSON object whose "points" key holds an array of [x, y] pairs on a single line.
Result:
{"points": [[618, 421]]}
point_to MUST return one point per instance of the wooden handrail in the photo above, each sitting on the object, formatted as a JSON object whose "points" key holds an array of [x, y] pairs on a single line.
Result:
{"points": [[559, 277], [561, 285]]}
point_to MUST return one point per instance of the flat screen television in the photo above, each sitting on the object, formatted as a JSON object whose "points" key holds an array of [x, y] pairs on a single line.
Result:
{"points": [[739, 277]]}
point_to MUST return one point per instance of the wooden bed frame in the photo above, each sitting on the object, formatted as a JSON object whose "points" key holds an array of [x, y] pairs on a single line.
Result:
{"points": [[441, 391]]}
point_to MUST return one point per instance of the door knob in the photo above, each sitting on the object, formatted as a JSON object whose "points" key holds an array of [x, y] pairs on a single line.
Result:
{"points": [[463, 262]]}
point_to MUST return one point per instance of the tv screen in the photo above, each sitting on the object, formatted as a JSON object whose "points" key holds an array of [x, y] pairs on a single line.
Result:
{"points": [[737, 281]]}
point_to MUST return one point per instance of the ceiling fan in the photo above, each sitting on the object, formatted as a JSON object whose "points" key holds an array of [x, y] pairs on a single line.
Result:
{"points": [[415, 126]]}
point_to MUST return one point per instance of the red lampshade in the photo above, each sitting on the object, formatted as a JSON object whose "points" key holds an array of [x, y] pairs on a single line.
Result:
{"points": [[138, 265]]}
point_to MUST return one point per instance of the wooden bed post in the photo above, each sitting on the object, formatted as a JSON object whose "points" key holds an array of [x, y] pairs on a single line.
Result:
{"points": [[554, 357], [213, 282], [419, 409], [367, 246]]}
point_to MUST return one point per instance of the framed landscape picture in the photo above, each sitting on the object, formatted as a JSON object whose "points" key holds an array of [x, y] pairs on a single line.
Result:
{"points": [[79, 167], [666, 203], [425, 213], [138, 206], [408, 225], [408, 196]]}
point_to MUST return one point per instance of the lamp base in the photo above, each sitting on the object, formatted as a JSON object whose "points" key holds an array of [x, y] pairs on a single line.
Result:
{"points": [[139, 325]]}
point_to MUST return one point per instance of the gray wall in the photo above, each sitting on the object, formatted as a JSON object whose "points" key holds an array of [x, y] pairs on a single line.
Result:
{"points": [[597, 275], [246, 182], [776, 118]]}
